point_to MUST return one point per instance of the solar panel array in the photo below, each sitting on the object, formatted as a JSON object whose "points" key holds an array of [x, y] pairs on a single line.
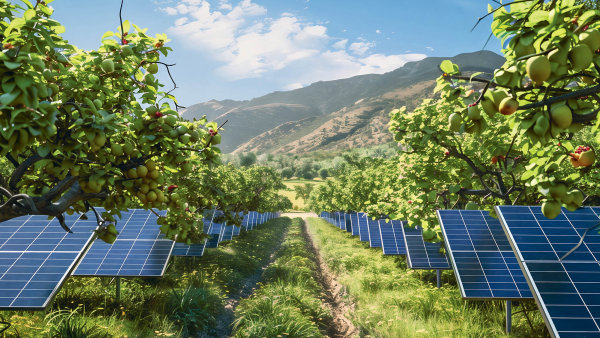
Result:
{"points": [[421, 254], [140, 249], [566, 290], [481, 256], [36, 257]]}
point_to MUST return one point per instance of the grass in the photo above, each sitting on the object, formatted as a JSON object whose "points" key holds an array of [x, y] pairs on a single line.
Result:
{"points": [[185, 302], [298, 203], [393, 301], [288, 302]]}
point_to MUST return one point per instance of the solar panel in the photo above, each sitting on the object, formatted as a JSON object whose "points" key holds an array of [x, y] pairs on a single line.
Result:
{"points": [[354, 222], [36, 257], [374, 236], [363, 227], [391, 237], [566, 290], [140, 249], [421, 254], [481, 256], [227, 233]]}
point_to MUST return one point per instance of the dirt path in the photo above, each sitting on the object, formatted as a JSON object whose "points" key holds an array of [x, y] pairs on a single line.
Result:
{"points": [[226, 318], [334, 292]]}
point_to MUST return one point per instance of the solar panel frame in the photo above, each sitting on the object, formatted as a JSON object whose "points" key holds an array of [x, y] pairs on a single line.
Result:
{"points": [[14, 251], [548, 276], [488, 264], [420, 254], [140, 241]]}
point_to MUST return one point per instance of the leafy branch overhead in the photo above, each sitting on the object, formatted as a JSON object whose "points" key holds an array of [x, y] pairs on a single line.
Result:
{"points": [[90, 127]]}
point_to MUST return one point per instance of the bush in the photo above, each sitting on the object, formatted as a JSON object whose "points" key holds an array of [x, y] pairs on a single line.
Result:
{"points": [[287, 173], [323, 173]]}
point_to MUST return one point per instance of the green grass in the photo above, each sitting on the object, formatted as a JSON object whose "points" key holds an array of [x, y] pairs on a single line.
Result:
{"points": [[288, 301], [185, 302], [393, 301]]}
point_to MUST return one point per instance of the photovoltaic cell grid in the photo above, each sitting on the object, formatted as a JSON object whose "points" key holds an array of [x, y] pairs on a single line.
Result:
{"points": [[140, 249], [227, 233], [36, 257], [391, 237], [374, 236], [482, 258], [354, 221], [567, 291], [421, 254], [363, 227]]}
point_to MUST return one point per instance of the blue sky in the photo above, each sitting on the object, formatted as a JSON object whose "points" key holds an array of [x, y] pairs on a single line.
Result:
{"points": [[240, 49]]}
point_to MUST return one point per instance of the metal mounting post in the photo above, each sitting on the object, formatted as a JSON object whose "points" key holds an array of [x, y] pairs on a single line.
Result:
{"points": [[439, 278], [508, 316], [118, 290]]}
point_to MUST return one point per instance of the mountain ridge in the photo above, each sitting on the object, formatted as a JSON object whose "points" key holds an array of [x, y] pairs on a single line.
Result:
{"points": [[249, 119]]}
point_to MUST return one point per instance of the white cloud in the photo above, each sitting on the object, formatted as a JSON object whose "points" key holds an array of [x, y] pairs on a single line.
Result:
{"points": [[378, 31], [361, 48], [250, 44], [340, 44], [293, 86], [429, 48]]}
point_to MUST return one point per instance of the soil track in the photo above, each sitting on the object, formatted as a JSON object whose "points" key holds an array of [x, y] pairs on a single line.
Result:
{"points": [[334, 292]]}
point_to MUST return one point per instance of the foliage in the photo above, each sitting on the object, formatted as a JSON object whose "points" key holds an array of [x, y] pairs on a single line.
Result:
{"points": [[232, 190], [76, 131]]}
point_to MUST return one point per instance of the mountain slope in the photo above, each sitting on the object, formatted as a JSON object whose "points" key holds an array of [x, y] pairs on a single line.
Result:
{"points": [[293, 117]]}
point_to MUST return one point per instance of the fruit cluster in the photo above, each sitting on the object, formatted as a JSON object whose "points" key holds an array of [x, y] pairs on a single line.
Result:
{"points": [[583, 156], [557, 194]]}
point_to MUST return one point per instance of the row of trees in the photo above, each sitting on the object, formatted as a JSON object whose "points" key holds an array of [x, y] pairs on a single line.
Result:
{"points": [[96, 128], [528, 135]]}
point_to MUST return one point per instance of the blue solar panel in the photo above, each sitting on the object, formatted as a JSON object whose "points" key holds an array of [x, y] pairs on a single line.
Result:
{"points": [[363, 227], [391, 237], [374, 236], [227, 233], [140, 249], [354, 223], [566, 290], [182, 249], [36, 257], [421, 254], [482, 258]]}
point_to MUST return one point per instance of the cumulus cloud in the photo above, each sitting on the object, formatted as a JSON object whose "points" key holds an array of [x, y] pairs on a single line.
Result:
{"points": [[361, 48], [249, 44]]}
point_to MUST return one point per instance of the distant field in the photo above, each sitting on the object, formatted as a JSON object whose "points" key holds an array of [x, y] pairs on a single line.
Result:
{"points": [[289, 193]]}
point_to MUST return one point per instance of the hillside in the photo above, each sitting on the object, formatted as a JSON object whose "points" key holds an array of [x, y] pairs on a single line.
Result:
{"points": [[333, 114]]}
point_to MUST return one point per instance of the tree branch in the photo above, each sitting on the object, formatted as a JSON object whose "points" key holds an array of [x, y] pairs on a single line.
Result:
{"points": [[21, 169]]}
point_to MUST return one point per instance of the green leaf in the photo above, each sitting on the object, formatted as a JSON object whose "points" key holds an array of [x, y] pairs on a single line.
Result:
{"points": [[474, 75], [43, 150], [12, 65], [446, 67]]}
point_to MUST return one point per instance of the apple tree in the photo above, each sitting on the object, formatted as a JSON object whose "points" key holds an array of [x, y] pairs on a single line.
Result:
{"points": [[229, 189], [88, 128]]}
